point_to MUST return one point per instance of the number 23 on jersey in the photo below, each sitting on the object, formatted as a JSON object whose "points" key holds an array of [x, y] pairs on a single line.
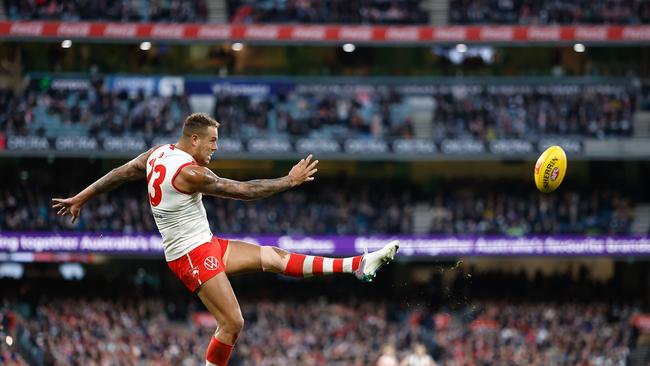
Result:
{"points": [[154, 184]]}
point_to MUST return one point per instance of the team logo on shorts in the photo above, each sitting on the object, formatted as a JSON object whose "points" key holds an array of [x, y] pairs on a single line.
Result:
{"points": [[195, 271], [211, 263], [555, 173]]}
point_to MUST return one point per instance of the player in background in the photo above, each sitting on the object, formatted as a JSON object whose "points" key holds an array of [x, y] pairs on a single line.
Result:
{"points": [[177, 178], [419, 357]]}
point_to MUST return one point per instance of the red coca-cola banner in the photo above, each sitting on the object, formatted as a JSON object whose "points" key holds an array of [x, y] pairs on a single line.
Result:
{"points": [[323, 33]]}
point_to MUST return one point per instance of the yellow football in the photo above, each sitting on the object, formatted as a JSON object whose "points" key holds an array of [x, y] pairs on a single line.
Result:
{"points": [[550, 169]]}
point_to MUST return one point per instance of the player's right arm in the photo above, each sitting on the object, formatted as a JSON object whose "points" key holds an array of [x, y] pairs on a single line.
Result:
{"points": [[132, 170], [193, 179]]}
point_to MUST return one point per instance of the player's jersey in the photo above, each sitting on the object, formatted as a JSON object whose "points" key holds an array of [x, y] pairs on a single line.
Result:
{"points": [[180, 217]]}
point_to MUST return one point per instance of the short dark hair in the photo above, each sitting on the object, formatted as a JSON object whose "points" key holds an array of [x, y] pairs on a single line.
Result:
{"points": [[195, 123]]}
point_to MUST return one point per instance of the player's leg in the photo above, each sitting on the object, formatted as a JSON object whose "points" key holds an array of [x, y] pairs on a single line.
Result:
{"points": [[241, 257], [219, 298]]}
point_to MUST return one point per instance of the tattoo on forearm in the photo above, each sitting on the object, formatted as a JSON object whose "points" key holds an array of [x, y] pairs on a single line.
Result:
{"points": [[110, 181], [261, 188], [250, 190], [135, 169], [117, 176]]}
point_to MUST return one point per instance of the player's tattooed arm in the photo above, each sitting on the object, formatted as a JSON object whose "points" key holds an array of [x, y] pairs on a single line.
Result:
{"points": [[246, 191], [132, 170], [203, 180]]}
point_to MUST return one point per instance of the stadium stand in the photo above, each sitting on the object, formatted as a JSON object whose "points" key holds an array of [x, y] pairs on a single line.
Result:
{"points": [[482, 112], [8, 354], [329, 11], [174, 11], [549, 12], [550, 325], [314, 333], [336, 12], [356, 207]]}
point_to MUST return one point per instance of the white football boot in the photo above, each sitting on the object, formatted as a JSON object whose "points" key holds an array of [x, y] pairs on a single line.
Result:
{"points": [[371, 262]]}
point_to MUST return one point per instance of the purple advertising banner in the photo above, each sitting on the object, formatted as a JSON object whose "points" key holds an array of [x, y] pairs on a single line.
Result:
{"points": [[35, 242]]}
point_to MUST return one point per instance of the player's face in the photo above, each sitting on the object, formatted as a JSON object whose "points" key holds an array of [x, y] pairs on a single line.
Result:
{"points": [[207, 145]]}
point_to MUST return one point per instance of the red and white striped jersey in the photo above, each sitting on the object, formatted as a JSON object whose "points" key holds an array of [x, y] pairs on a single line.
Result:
{"points": [[180, 216]]}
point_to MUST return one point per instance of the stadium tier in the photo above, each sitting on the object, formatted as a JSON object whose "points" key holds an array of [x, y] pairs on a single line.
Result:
{"points": [[286, 109], [317, 333], [550, 325], [357, 207], [186, 11], [395, 116], [549, 12], [336, 12], [310, 11]]}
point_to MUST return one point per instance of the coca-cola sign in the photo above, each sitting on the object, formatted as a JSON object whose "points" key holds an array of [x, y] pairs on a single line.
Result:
{"points": [[325, 33]]}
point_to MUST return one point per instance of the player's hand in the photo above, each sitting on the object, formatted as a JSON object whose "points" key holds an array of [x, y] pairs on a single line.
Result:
{"points": [[67, 206], [303, 171]]}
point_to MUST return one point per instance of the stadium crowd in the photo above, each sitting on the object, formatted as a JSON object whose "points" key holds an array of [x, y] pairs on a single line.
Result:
{"points": [[331, 11], [169, 11], [529, 12], [139, 330], [95, 113], [344, 207], [489, 114], [8, 354], [328, 11], [481, 112]]}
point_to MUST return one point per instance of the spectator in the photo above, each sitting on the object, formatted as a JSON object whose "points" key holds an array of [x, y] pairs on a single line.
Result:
{"points": [[419, 357], [387, 357]]}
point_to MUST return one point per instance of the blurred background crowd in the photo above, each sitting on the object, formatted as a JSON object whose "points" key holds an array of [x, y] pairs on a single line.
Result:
{"points": [[331, 11], [549, 12], [481, 112], [550, 325], [169, 11], [344, 207]]}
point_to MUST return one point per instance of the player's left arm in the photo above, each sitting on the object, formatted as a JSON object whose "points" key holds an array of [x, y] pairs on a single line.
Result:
{"points": [[203, 180], [132, 170]]}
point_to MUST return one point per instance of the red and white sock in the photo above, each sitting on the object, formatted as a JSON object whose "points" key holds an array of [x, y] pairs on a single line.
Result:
{"points": [[218, 353], [300, 265]]}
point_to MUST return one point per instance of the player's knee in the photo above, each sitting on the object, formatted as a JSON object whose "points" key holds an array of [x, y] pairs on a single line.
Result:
{"points": [[234, 325], [273, 259], [229, 328]]}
